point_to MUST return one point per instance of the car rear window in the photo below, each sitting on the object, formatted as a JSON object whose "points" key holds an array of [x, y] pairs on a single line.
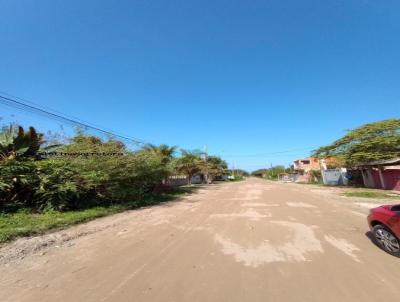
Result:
{"points": [[396, 208]]}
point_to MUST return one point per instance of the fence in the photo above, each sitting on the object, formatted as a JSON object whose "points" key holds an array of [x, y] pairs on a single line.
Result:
{"points": [[177, 180]]}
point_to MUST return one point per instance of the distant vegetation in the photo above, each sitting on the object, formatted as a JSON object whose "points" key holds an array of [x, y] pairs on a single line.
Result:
{"points": [[238, 174], [370, 142], [259, 172], [271, 173]]}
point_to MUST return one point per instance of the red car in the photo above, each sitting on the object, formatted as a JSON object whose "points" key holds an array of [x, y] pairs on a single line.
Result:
{"points": [[384, 222]]}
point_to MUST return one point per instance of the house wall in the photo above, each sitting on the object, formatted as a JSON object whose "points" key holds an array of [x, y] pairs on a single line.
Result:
{"points": [[368, 178], [391, 178], [312, 165], [303, 178], [377, 180]]}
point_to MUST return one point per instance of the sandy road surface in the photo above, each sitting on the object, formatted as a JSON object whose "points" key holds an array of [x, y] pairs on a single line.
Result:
{"points": [[245, 241]]}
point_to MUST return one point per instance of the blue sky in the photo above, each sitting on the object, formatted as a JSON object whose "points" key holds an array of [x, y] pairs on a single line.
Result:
{"points": [[245, 78]]}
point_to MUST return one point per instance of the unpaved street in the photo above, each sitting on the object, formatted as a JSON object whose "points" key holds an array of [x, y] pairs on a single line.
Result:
{"points": [[246, 241]]}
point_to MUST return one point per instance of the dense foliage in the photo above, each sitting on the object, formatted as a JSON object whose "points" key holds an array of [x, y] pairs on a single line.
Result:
{"points": [[373, 141], [259, 172], [87, 171], [239, 172], [271, 173]]}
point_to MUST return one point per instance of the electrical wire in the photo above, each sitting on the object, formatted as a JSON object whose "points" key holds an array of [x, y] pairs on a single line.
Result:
{"points": [[13, 102], [269, 153], [28, 106]]}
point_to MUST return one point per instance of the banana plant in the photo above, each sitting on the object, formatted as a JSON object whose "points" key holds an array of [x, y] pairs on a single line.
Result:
{"points": [[15, 143]]}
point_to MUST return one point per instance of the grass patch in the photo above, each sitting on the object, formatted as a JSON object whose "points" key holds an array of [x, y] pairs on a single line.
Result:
{"points": [[236, 179], [370, 194], [26, 223], [314, 183]]}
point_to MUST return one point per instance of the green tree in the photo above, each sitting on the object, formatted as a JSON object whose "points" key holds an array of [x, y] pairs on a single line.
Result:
{"points": [[214, 166], [259, 172], [273, 172], [165, 152], [241, 173], [82, 143], [373, 141], [189, 163]]}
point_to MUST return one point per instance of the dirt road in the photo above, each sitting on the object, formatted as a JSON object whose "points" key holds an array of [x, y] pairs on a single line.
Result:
{"points": [[246, 241]]}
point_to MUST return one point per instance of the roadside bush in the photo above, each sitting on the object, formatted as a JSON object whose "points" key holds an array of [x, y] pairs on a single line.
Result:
{"points": [[316, 175], [117, 178], [58, 184], [18, 183], [122, 178], [93, 173], [61, 187]]}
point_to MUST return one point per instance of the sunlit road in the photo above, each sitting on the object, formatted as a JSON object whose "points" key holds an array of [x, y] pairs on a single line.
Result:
{"points": [[245, 241]]}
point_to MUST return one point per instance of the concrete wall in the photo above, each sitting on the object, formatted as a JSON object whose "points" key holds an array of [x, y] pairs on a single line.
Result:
{"points": [[334, 177], [177, 180]]}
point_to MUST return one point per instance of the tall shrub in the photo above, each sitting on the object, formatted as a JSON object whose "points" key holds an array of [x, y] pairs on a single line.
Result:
{"points": [[61, 187], [18, 183]]}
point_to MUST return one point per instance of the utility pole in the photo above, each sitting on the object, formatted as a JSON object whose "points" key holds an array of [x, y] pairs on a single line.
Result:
{"points": [[205, 162]]}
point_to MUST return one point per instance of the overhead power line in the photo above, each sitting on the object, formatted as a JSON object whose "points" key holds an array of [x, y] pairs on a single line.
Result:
{"points": [[28, 106], [14, 102], [29, 102], [271, 153]]}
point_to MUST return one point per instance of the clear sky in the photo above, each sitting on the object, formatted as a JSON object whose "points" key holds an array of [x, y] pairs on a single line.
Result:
{"points": [[245, 78]]}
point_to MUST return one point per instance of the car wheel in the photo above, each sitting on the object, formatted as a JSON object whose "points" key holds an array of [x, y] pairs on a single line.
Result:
{"points": [[386, 240]]}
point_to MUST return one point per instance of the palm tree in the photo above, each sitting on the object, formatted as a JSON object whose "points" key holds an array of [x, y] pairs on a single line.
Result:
{"points": [[165, 152], [189, 163], [215, 166]]}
